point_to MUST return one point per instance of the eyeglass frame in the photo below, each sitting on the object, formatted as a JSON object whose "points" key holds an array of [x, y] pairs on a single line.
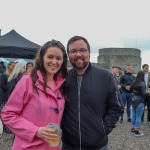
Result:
{"points": [[75, 51]]}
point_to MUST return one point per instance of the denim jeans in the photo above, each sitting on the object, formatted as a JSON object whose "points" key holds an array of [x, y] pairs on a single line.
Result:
{"points": [[126, 98], [66, 147], [137, 112]]}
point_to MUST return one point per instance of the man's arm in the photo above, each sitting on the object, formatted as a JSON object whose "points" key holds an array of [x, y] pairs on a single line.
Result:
{"points": [[115, 107], [122, 81]]}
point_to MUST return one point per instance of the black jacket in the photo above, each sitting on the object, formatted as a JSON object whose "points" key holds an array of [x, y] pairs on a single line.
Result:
{"points": [[12, 84], [125, 80], [90, 113], [4, 87], [140, 91]]}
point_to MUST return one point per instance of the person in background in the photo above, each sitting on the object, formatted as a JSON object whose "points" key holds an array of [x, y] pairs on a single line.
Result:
{"points": [[4, 80], [2, 67], [116, 72], [4, 86], [145, 68], [2, 70], [38, 99], [139, 91], [29, 67], [93, 107], [15, 76], [125, 81]]}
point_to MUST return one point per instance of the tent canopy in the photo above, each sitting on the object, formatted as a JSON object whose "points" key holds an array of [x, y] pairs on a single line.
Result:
{"points": [[14, 45]]}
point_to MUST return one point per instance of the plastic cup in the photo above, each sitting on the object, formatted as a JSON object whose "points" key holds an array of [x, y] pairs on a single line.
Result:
{"points": [[149, 91], [56, 127]]}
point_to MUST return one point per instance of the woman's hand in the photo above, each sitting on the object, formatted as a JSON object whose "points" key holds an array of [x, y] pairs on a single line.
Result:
{"points": [[46, 134]]}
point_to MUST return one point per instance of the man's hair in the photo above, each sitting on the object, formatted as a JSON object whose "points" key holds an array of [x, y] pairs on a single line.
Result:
{"points": [[129, 65], [76, 38], [1, 62], [115, 67], [145, 65]]}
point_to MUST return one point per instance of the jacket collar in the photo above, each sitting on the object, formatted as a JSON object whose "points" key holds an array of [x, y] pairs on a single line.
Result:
{"points": [[40, 82], [87, 69]]}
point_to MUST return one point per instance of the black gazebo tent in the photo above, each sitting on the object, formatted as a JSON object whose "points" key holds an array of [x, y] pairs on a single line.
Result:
{"points": [[13, 45]]}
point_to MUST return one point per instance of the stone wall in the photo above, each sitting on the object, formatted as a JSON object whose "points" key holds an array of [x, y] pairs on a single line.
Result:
{"points": [[120, 57]]}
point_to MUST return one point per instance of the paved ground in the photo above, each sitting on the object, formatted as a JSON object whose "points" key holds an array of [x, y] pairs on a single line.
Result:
{"points": [[119, 139]]}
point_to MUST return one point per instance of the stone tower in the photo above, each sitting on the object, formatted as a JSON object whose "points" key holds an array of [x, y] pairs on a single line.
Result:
{"points": [[120, 57]]}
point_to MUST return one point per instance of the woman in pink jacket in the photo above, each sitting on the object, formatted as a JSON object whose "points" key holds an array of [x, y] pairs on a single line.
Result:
{"points": [[38, 99]]}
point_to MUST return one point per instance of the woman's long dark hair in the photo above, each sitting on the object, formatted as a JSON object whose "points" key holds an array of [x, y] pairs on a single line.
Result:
{"points": [[39, 65], [139, 78]]}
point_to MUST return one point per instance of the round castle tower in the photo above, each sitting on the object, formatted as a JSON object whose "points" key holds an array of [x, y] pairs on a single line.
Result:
{"points": [[120, 57]]}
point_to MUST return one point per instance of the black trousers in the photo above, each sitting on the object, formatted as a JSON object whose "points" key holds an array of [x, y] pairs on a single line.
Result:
{"points": [[147, 103]]}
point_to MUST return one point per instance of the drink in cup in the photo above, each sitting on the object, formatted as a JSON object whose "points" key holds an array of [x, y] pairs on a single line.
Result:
{"points": [[149, 91], [56, 127]]}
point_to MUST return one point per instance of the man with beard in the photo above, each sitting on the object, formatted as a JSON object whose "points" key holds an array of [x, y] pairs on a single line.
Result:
{"points": [[92, 107]]}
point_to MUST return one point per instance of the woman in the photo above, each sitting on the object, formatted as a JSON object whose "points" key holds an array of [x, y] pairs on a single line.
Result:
{"points": [[29, 67], [16, 75], [38, 100], [139, 91]]}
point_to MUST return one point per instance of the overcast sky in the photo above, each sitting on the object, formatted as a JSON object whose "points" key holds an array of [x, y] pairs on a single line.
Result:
{"points": [[105, 23]]}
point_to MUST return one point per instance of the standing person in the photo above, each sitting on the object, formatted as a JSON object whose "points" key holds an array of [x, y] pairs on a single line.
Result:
{"points": [[2, 71], [125, 81], [15, 76], [139, 91], [93, 107], [2, 67], [116, 71], [4, 80], [145, 68], [4, 86], [29, 67], [38, 99]]}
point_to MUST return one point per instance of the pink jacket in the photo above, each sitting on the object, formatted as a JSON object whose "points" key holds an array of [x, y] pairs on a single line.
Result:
{"points": [[26, 111]]}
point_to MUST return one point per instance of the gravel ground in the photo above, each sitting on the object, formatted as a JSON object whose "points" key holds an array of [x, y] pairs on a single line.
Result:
{"points": [[119, 139]]}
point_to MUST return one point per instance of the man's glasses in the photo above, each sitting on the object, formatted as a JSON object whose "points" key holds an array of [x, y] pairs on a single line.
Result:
{"points": [[81, 51]]}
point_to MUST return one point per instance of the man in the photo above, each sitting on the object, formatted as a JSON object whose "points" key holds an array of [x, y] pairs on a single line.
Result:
{"points": [[145, 68], [125, 80], [93, 107], [116, 73]]}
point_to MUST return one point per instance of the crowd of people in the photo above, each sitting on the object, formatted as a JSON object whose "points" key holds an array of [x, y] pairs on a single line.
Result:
{"points": [[134, 91], [86, 101]]}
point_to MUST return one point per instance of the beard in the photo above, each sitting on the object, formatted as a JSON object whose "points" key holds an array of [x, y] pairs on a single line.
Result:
{"points": [[80, 66]]}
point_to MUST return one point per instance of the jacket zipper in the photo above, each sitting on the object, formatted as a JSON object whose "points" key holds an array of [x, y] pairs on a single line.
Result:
{"points": [[117, 99], [79, 87]]}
